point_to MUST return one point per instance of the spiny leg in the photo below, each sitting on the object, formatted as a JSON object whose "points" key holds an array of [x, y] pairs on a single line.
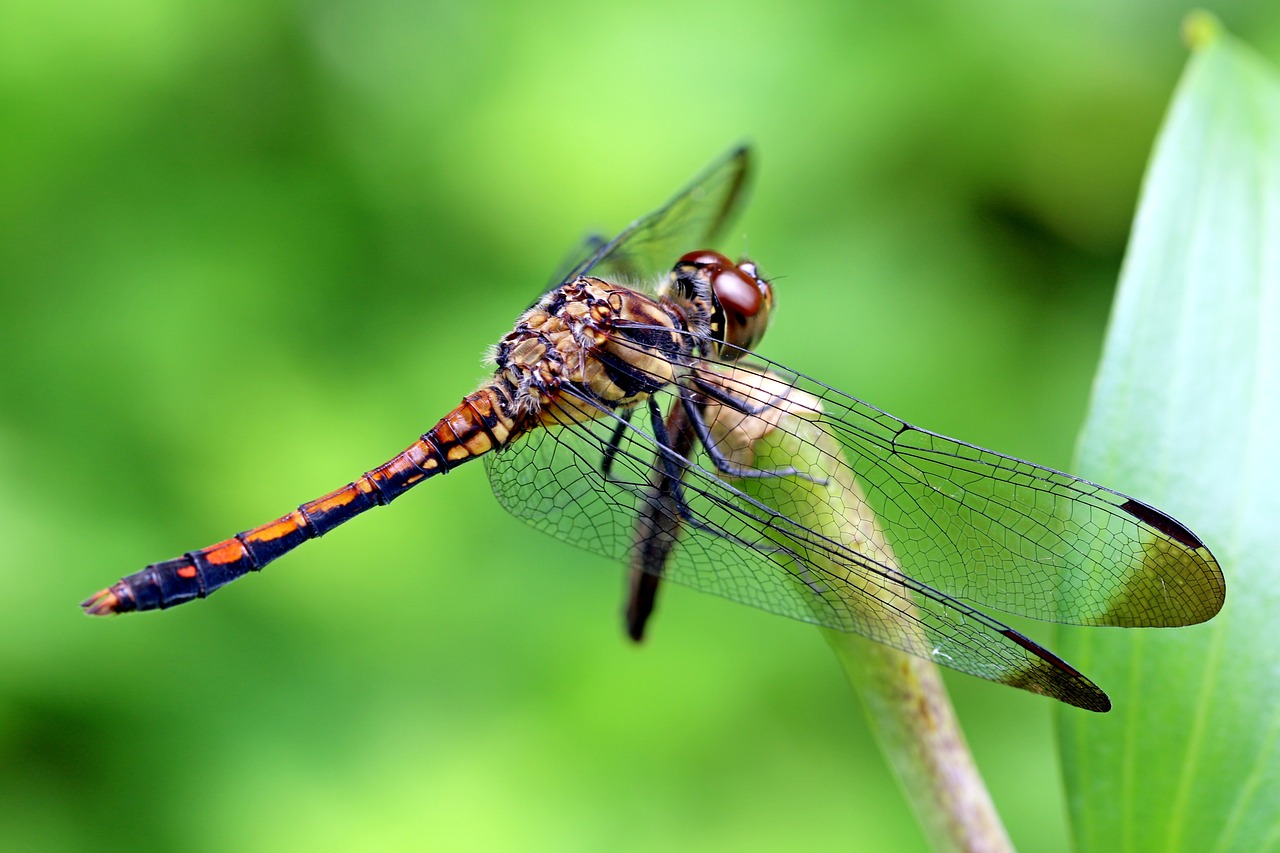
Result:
{"points": [[723, 463], [738, 404], [615, 442]]}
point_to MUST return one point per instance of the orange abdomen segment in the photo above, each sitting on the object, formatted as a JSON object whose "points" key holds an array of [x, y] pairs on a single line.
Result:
{"points": [[478, 425]]}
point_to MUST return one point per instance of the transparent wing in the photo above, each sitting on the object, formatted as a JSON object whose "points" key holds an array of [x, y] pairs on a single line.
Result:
{"points": [[734, 545], [1005, 533], [574, 259], [1001, 532], [692, 220], [963, 526]]}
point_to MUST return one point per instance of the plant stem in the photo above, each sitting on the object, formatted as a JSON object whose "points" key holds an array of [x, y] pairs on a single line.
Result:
{"points": [[917, 730]]}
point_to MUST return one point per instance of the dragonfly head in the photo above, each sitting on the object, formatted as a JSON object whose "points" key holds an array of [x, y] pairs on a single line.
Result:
{"points": [[737, 301]]}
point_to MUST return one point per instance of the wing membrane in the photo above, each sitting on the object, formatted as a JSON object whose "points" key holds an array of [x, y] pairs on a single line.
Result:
{"points": [[1001, 532], [857, 520], [735, 545], [963, 526], [693, 219]]}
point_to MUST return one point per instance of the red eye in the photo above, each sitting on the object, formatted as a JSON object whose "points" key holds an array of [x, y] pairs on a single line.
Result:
{"points": [[735, 288], [706, 258], [745, 302], [740, 297]]}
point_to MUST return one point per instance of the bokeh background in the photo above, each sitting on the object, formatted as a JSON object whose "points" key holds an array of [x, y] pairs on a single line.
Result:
{"points": [[249, 250]]}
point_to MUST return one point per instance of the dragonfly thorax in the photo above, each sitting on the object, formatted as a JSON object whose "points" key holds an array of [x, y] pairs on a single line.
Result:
{"points": [[610, 344]]}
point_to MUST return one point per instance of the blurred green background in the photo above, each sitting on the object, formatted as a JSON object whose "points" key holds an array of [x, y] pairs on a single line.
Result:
{"points": [[249, 250]]}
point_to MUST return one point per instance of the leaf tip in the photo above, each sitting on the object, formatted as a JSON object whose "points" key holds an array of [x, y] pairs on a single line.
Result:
{"points": [[1200, 29]]}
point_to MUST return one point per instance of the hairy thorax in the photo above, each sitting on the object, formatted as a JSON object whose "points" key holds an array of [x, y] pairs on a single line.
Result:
{"points": [[589, 346]]}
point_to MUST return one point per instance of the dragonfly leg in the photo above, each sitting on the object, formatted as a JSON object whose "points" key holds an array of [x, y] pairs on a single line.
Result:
{"points": [[723, 464], [665, 512], [672, 459], [672, 488], [752, 410], [746, 407], [615, 442]]}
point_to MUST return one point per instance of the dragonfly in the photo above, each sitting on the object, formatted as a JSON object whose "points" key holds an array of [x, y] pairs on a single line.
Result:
{"points": [[640, 424]]}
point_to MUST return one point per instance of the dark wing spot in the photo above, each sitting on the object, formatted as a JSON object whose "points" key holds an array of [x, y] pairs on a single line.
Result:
{"points": [[1157, 519], [1041, 652], [1050, 675]]}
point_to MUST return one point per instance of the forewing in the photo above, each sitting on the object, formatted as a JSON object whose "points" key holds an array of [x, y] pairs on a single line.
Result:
{"points": [[574, 260], [692, 220], [1001, 532], [766, 546]]}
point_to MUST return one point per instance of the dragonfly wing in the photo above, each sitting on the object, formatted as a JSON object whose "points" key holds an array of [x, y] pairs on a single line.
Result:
{"points": [[733, 543], [1000, 532], [587, 248], [691, 220]]}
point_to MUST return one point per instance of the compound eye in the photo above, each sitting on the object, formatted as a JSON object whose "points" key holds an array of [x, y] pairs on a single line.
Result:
{"points": [[705, 258], [738, 295], [740, 298], [745, 301], [697, 271]]}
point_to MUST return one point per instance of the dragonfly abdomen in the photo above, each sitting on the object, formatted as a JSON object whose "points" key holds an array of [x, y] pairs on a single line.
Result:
{"points": [[483, 421]]}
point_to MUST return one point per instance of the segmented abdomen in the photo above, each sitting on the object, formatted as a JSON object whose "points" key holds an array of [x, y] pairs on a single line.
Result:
{"points": [[483, 421]]}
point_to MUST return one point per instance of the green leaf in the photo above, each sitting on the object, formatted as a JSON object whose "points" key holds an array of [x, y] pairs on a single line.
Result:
{"points": [[1185, 416]]}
